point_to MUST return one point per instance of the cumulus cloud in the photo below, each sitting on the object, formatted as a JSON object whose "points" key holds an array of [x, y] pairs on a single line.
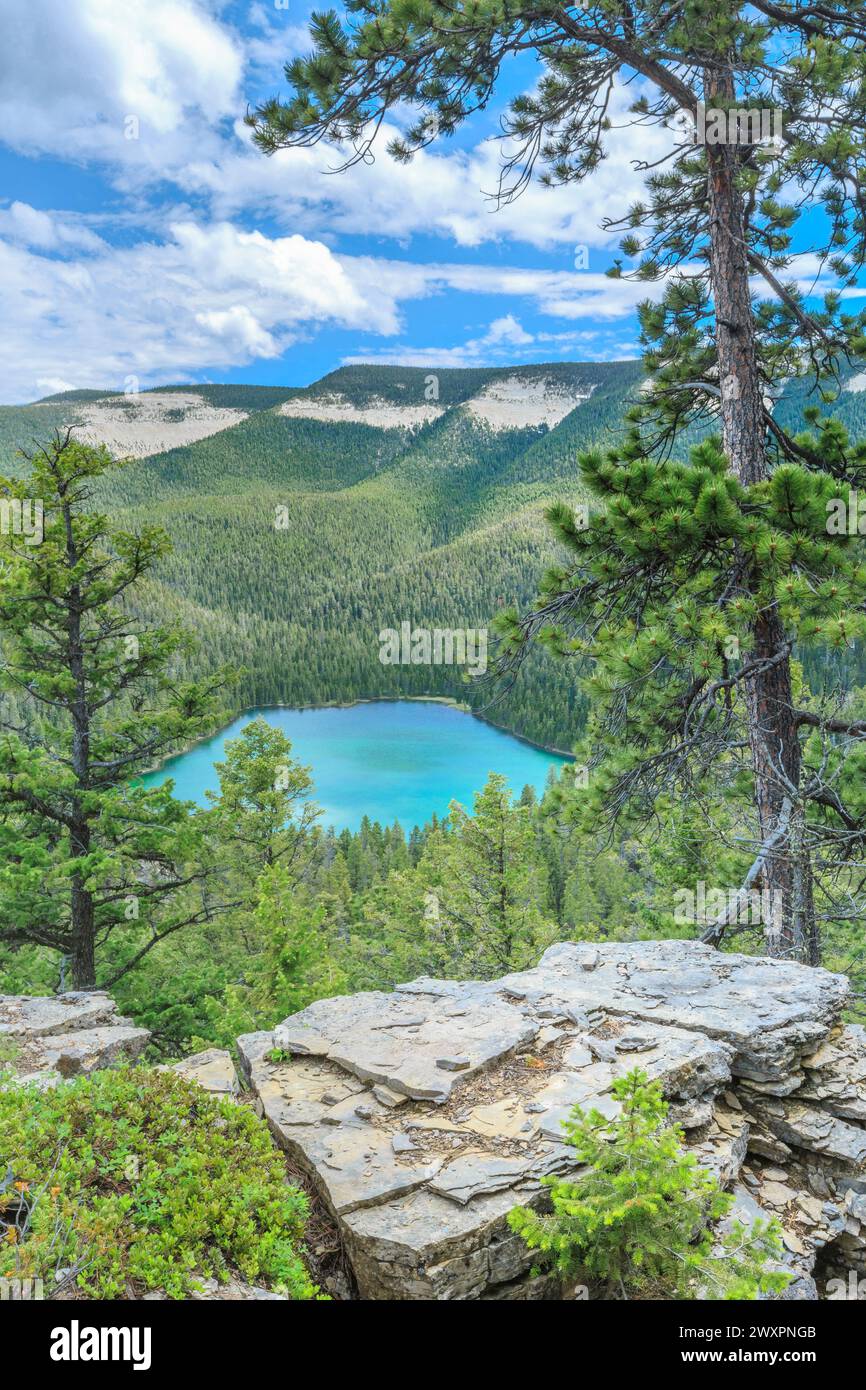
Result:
{"points": [[212, 296], [150, 95], [48, 231], [444, 191], [73, 74], [155, 91], [493, 349], [499, 340], [208, 298]]}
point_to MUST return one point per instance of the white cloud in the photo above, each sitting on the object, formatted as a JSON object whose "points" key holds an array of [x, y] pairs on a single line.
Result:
{"points": [[208, 298], [53, 385], [212, 296], [495, 347], [72, 75], [239, 331], [72, 72], [194, 287], [47, 231], [508, 330], [444, 191], [564, 294]]}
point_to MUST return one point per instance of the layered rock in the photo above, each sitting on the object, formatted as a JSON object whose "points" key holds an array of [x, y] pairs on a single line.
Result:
{"points": [[213, 1070], [424, 1115], [46, 1038]]}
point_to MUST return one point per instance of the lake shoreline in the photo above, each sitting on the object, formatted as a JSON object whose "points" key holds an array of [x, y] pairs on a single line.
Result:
{"points": [[351, 704]]}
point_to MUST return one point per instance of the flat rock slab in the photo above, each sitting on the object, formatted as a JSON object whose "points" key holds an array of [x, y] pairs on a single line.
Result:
{"points": [[78, 1054], [22, 1016], [425, 1115], [477, 1139], [425, 1246], [835, 1075], [353, 1161], [402, 1043], [213, 1070], [812, 1129], [772, 1012], [57, 1036]]}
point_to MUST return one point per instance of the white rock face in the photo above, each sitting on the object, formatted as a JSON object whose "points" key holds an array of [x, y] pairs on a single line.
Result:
{"points": [[73, 1034], [425, 1115], [513, 402], [135, 426], [517, 402], [384, 415]]}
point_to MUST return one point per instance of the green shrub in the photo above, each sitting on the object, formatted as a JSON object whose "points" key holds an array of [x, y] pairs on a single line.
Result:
{"points": [[137, 1179], [639, 1220]]}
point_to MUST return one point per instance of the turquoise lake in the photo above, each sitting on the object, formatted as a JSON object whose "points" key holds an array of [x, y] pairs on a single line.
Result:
{"points": [[390, 760]]}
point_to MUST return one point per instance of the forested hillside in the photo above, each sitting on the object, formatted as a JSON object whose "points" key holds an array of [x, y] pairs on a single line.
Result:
{"points": [[315, 518], [402, 502]]}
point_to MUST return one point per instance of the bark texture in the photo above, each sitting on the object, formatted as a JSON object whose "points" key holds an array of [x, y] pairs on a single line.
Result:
{"points": [[775, 746]]}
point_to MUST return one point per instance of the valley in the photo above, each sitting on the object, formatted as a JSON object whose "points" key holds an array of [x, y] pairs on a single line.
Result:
{"points": [[321, 516], [306, 520]]}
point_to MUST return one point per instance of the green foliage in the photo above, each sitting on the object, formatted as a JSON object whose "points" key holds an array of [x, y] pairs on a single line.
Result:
{"points": [[100, 699], [470, 907], [720, 212], [263, 809], [374, 908], [658, 621], [132, 1180], [642, 1219], [300, 961], [443, 525], [439, 525]]}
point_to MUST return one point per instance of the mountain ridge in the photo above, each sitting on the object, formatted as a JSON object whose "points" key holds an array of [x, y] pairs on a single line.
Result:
{"points": [[438, 522]]}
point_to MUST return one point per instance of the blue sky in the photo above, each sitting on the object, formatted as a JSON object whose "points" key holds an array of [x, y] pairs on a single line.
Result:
{"points": [[143, 240]]}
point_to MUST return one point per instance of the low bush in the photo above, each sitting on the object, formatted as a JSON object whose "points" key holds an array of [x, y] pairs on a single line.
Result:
{"points": [[136, 1179]]}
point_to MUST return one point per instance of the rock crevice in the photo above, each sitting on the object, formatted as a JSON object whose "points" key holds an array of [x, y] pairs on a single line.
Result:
{"points": [[424, 1115]]}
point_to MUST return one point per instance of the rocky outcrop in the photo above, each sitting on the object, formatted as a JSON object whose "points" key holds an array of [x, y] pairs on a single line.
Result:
{"points": [[213, 1070], [46, 1038], [424, 1115]]}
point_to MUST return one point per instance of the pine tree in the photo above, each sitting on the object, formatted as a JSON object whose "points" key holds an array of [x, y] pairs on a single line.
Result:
{"points": [[87, 854], [299, 961], [263, 813], [488, 881], [642, 1217], [471, 905], [721, 210]]}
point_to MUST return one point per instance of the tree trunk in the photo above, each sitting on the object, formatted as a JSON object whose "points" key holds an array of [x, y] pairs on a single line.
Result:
{"points": [[775, 747], [83, 937], [83, 924]]}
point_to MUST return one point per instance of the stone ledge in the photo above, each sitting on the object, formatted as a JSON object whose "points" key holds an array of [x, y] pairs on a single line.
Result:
{"points": [[53, 1037], [424, 1115]]}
